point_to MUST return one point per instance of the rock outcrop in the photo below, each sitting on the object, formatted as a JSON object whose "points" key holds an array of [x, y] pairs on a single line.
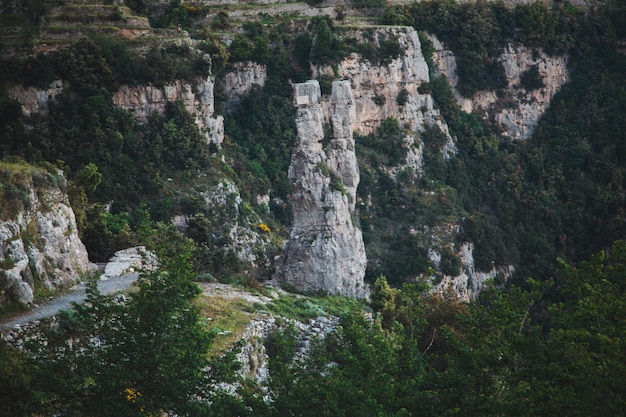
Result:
{"points": [[197, 98], [325, 251], [129, 260], [515, 109], [39, 245], [35, 100], [145, 100], [376, 87], [243, 77], [469, 282]]}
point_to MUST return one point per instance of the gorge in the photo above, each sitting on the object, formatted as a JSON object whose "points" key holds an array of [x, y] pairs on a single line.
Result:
{"points": [[339, 195]]}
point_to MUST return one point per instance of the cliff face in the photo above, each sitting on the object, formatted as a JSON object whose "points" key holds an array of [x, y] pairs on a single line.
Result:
{"points": [[35, 100], [238, 82], [145, 100], [376, 87], [325, 251], [40, 244], [198, 100], [468, 284], [515, 109]]}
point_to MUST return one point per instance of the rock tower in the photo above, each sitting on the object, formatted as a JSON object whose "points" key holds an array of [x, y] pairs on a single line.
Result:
{"points": [[325, 251]]}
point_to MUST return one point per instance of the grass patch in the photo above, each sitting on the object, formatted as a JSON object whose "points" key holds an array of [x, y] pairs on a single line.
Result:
{"points": [[227, 320], [304, 308], [16, 181]]}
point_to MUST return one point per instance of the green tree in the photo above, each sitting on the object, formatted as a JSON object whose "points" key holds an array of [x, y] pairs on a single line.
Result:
{"points": [[143, 355], [324, 45], [85, 67], [19, 397], [585, 351]]}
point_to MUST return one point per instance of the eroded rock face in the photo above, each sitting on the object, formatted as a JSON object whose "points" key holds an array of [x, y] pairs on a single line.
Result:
{"points": [[238, 82], [515, 109], [468, 284], [376, 87], [35, 100], [40, 244], [325, 251], [197, 98], [143, 101]]}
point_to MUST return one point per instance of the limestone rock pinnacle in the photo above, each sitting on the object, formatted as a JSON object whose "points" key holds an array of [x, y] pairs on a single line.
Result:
{"points": [[325, 251]]}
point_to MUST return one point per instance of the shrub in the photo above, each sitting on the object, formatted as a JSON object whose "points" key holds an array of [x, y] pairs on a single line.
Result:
{"points": [[450, 262], [531, 79], [326, 84], [403, 97], [379, 100]]}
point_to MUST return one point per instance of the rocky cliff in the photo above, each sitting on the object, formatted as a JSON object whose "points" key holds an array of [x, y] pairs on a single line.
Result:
{"points": [[325, 250], [39, 244], [515, 109], [145, 100], [241, 79], [35, 100], [468, 284], [376, 87], [198, 99]]}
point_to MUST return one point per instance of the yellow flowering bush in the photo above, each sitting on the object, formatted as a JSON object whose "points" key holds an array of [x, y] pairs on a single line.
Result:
{"points": [[132, 394], [264, 228]]}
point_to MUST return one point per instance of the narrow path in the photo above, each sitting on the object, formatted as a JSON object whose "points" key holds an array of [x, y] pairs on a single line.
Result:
{"points": [[78, 295]]}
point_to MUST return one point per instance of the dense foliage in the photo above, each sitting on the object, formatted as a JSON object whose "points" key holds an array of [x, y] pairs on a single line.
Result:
{"points": [[550, 346], [513, 353], [528, 192], [542, 349], [477, 31], [143, 353], [560, 192]]}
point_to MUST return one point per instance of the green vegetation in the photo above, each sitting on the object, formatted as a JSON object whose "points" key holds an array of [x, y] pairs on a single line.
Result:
{"points": [[501, 189], [228, 320], [393, 248], [17, 182], [530, 349], [477, 31], [430, 355], [549, 346], [142, 355], [304, 308]]}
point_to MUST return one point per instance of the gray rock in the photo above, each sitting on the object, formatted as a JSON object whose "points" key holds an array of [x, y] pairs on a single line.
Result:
{"points": [[198, 99], [127, 261], [516, 110], [325, 251], [40, 244], [238, 82]]}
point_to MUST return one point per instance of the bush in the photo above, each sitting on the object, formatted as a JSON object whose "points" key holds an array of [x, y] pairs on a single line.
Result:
{"points": [[531, 79], [450, 262], [326, 84], [403, 97]]}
